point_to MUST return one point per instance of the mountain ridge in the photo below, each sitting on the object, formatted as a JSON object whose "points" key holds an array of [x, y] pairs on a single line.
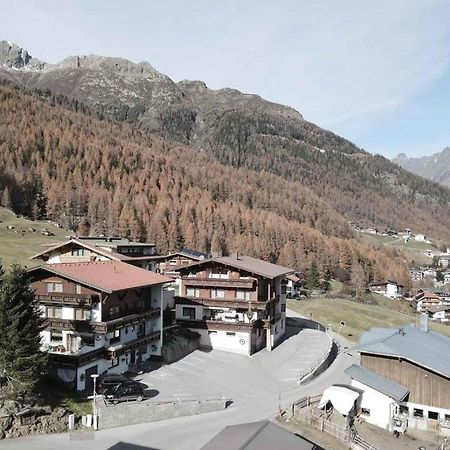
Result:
{"points": [[245, 130]]}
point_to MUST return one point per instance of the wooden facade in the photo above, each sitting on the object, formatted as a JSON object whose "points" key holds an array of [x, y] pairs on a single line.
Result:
{"points": [[426, 387]]}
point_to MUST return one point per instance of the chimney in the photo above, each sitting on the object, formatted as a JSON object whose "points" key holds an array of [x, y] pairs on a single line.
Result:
{"points": [[424, 322]]}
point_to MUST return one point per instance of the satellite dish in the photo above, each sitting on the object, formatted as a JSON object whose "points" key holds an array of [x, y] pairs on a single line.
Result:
{"points": [[342, 323]]}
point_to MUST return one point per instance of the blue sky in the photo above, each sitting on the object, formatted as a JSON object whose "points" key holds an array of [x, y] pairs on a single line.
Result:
{"points": [[375, 72]]}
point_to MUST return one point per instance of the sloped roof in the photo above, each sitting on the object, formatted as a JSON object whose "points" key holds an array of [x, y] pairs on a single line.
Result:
{"points": [[263, 435], [107, 276], [427, 349], [377, 382], [247, 264], [112, 255], [435, 309]]}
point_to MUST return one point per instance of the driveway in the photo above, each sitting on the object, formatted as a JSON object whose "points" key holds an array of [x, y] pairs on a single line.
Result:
{"points": [[258, 386]]}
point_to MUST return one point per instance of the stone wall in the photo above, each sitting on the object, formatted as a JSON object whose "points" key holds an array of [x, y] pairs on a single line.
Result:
{"points": [[147, 411]]}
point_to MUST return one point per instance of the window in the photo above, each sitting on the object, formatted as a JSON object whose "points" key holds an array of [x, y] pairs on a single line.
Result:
{"points": [[78, 252], [56, 336], [192, 292], [212, 332], [54, 287], [231, 333], [173, 262], [418, 413], [114, 362], [283, 289], [217, 293], [242, 295], [78, 314], [433, 415], [88, 339], [114, 311], [54, 312], [115, 337], [219, 272], [365, 411], [189, 313], [447, 417], [283, 307], [404, 409], [78, 289]]}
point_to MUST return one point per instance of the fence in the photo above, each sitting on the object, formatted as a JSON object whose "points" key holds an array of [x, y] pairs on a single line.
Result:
{"points": [[302, 410]]}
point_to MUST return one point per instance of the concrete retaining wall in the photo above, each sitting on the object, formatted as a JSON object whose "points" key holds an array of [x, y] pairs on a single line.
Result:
{"points": [[149, 411]]}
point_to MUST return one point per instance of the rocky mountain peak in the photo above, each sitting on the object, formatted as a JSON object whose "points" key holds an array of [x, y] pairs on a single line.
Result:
{"points": [[14, 57]]}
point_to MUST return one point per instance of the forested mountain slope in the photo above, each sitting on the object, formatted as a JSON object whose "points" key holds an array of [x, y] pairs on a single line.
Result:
{"points": [[243, 130], [73, 167]]}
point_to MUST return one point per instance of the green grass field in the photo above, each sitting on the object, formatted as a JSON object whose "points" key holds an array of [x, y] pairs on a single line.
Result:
{"points": [[359, 317], [18, 244], [414, 250]]}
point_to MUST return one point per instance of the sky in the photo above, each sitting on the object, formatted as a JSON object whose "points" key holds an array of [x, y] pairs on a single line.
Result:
{"points": [[375, 72]]}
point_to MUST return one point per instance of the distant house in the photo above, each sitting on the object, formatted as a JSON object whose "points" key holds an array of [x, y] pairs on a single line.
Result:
{"points": [[444, 260], [264, 435], [430, 273], [440, 313], [426, 299], [420, 237], [446, 277], [416, 274], [169, 264], [293, 284], [390, 289]]}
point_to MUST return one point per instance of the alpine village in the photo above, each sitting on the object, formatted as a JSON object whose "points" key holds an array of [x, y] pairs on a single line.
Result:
{"points": [[192, 268]]}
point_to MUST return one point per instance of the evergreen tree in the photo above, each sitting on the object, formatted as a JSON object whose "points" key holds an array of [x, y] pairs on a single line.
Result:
{"points": [[21, 359], [313, 278]]}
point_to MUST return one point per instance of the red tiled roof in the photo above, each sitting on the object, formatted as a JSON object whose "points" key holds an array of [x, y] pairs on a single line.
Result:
{"points": [[108, 276]]}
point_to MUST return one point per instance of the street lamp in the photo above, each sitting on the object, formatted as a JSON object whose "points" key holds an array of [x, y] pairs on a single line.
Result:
{"points": [[94, 405]]}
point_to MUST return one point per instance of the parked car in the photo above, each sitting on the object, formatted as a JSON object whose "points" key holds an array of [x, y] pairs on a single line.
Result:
{"points": [[109, 381], [124, 392]]}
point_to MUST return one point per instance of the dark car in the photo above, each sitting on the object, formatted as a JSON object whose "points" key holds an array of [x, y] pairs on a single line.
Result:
{"points": [[125, 392], [109, 381]]}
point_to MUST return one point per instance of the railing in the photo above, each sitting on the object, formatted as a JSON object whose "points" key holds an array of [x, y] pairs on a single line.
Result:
{"points": [[225, 303], [218, 282], [67, 299], [131, 345], [77, 360], [215, 324], [99, 327]]}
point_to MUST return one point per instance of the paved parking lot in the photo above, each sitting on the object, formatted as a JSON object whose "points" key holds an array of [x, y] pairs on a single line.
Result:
{"points": [[216, 374]]}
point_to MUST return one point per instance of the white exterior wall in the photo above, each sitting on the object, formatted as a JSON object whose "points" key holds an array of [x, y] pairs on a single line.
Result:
{"points": [[380, 405], [391, 290], [425, 423], [219, 340]]}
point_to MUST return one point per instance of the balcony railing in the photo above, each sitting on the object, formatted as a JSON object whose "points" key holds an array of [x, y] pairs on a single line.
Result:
{"points": [[215, 324], [77, 360], [226, 303], [116, 350], [218, 282], [67, 299], [100, 327]]}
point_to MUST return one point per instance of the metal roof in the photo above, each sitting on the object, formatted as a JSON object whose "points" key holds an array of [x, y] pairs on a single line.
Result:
{"points": [[263, 435], [427, 349], [377, 382]]}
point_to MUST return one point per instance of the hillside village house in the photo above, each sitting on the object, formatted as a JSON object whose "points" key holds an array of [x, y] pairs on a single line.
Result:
{"points": [[438, 313], [426, 299], [236, 303], [444, 260], [405, 378], [390, 289], [169, 264], [293, 285], [417, 274], [85, 249], [100, 316]]}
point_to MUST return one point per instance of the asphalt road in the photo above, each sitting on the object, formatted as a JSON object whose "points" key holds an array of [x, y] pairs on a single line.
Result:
{"points": [[258, 386]]}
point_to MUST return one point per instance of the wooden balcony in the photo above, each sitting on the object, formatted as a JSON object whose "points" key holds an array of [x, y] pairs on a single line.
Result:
{"points": [[225, 303], [215, 325], [218, 282], [116, 350], [100, 327], [67, 299], [77, 360]]}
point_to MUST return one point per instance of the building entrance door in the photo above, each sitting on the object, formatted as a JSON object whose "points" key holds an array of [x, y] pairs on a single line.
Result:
{"points": [[89, 382], [133, 357]]}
